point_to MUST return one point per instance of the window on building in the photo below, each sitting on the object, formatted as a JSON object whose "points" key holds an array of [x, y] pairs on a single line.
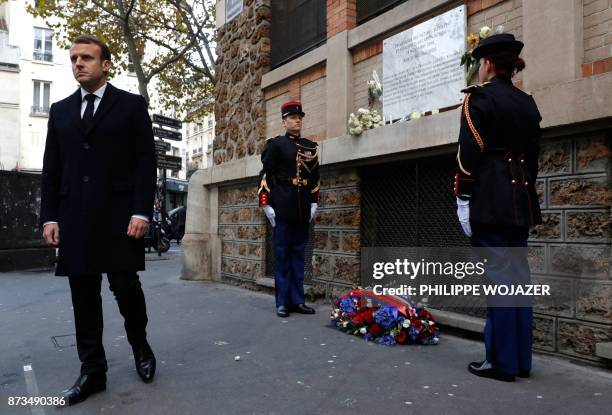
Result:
{"points": [[297, 26], [43, 44], [41, 97], [368, 9]]}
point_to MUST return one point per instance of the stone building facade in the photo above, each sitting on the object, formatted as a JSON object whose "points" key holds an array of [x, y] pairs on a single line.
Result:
{"points": [[227, 238]]}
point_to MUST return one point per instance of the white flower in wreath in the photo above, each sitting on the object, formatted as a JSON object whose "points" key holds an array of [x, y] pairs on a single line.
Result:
{"points": [[362, 111], [406, 323], [363, 330], [415, 115]]}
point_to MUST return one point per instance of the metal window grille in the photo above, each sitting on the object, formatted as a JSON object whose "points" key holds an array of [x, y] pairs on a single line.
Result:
{"points": [[411, 204], [368, 9], [297, 27]]}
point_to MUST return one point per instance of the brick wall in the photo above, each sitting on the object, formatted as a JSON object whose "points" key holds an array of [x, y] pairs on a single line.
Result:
{"points": [[508, 13], [307, 87], [597, 26], [274, 126], [362, 73], [341, 15], [571, 249], [242, 231], [315, 106]]}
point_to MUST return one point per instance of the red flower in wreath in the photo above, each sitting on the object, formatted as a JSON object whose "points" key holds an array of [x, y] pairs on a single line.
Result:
{"points": [[375, 330], [402, 337]]}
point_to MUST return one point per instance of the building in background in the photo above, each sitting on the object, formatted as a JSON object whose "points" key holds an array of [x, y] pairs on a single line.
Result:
{"points": [[391, 186], [199, 139], [34, 73]]}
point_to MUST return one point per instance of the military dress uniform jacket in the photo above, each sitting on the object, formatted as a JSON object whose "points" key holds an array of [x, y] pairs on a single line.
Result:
{"points": [[498, 155], [289, 179]]}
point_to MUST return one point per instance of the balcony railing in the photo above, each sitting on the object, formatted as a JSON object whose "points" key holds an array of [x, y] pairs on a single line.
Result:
{"points": [[42, 56], [39, 111]]}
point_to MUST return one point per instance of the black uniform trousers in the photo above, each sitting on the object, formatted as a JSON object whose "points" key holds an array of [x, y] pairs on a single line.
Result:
{"points": [[508, 329], [89, 323]]}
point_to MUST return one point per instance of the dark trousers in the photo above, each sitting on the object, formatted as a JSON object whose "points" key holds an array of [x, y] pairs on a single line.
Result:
{"points": [[508, 329], [290, 240], [87, 304]]}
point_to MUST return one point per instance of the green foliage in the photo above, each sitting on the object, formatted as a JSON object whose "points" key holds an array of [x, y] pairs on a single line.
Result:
{"points": [[170, 40]]}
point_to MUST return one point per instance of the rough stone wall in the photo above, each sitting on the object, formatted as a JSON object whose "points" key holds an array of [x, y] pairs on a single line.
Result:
{"points": [[243, 56], [337, 242], [571, 249], [242, 231]]}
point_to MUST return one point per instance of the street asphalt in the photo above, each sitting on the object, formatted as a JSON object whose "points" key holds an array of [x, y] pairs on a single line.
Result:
{"points": [[222, 350]]}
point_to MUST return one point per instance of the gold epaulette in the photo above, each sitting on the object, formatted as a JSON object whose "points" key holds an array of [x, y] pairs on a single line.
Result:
{"points": [[474, 88]]}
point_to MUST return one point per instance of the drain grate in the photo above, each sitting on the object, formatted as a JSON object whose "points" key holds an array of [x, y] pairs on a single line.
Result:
{"points": [[65, 340]]}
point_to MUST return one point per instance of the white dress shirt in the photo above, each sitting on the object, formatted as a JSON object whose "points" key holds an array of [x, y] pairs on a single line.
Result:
{"points": [[99, 93]]}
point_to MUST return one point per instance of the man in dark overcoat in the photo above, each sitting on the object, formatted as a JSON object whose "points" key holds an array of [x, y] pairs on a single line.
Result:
{"points": [[98, 184]]}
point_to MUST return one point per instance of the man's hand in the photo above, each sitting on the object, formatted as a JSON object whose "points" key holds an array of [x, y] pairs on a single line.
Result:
{"points": [[269, 212], [463, 213], [51, 234], [313, 210], [137, 228]]}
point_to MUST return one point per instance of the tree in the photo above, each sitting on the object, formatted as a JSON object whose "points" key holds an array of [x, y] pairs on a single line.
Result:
{"points": [[171, 41]]}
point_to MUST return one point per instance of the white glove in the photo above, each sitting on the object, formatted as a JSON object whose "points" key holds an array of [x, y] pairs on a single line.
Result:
{"points": [[313, 210], [270, 215], [463, 213]]}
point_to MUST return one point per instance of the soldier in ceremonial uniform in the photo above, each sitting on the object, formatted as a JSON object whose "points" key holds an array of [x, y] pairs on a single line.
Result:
{"points": [[289, 196], [496, 197]]}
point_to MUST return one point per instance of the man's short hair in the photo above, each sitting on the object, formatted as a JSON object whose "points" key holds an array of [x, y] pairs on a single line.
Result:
{"points": [[105, 53]]}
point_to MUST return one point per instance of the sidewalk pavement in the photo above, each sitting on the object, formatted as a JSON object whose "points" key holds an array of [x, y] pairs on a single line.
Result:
{"points": [[298, 365]]}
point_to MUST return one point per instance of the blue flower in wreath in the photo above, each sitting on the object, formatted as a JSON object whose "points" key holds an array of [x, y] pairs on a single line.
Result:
{"points": [[386, 317], [346, 305], [413, 332], [386, 340]]}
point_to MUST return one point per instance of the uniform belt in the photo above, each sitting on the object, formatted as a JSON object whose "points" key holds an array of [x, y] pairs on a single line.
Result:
{"points": [[504, 152], [296, 181]]}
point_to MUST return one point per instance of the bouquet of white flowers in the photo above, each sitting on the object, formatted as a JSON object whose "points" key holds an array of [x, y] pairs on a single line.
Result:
{"points": [[364, 120]]}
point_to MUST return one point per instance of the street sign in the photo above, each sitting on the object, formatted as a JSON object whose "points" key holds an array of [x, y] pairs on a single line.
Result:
{"points": [[169, 162], [168, 134], [161, 146], [169, 122]]}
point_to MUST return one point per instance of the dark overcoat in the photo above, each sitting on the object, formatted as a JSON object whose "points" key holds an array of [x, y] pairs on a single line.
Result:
{"points": [[93, 182]]}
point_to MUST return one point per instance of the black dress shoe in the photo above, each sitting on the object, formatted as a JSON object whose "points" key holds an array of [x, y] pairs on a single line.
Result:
{"points": [[85, 386], [303, 309], [486, 370], [145, 362], [282, 311]]}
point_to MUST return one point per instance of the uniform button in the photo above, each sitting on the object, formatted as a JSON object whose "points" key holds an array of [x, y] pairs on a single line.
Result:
{"points": [[513, 181], [526, 183], [85, 179], [509, 160], [522, 161], [86, 146]]}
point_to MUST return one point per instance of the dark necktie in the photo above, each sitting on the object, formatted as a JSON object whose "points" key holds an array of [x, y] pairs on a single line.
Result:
{"points": [[88, 115]]}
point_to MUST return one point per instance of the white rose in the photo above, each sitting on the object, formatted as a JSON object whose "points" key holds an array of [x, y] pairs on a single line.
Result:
{"points": [[376, 119], [415, 115], [362, 111], [358, 130], [363, 330], [406, 324], [485, 31]]}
